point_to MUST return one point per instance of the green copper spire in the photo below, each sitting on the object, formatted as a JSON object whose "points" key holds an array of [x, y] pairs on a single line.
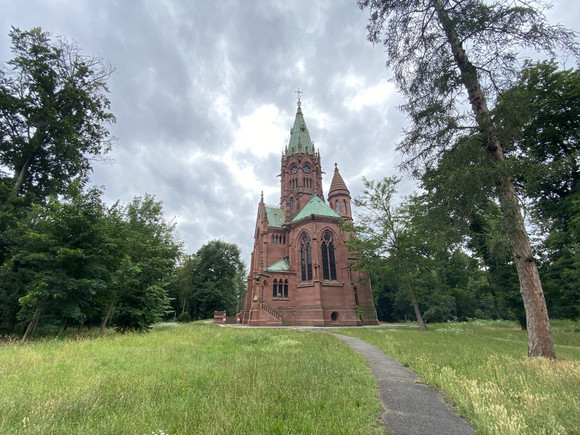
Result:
{"points": [[299, 136]]}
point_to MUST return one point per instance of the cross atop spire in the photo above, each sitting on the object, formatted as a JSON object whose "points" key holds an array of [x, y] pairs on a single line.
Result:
{"points": [[299, 93]]}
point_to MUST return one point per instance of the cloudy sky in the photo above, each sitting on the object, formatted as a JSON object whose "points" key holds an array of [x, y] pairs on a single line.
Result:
{"points": [[204, 95]]}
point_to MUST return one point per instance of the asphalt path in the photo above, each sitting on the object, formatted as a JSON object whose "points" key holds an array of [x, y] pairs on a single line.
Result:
{"points": [[410, 406]]}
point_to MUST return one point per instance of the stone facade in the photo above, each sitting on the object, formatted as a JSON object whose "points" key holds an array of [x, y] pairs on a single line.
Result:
{"points": [[300, 270]]}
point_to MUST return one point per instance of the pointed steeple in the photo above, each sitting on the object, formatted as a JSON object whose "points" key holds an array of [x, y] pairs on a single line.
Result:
{"points": [[261, 208], [337, 186], [300, 141], [339, 196]]}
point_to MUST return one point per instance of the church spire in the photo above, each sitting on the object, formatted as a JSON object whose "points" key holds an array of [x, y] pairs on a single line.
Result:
{"points": [[300, 141], [337, 186], [339, 196]]}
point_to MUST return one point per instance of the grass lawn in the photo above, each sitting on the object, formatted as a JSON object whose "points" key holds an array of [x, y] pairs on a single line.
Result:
{"points": [[483, 369], [192, 378], [200, 378]]}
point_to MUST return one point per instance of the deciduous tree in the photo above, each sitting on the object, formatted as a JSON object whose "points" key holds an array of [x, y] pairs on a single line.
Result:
{"points": [[59, 265], [217, 268], [444, 52], [383, 231], [539, 119], [149, 256], [53, 114]]}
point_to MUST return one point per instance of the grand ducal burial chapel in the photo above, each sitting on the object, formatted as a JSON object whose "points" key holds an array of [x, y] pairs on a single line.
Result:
{"points": [[300, 270]]}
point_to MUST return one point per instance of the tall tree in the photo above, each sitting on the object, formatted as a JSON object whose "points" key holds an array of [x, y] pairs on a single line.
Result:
{"points": [[53, 114], [60, 262], [217, 267], [540, 120], [444, 50], [241, 285], [185, 281], [384, 232], [149, 255]]}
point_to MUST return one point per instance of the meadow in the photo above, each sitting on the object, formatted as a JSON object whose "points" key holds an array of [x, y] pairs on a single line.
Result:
{"points": [[185, 379], [202, 378], [482, 369]]}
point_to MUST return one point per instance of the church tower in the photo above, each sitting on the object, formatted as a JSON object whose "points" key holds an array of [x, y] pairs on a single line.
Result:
{"points": [[300, 173], [300, 271]]}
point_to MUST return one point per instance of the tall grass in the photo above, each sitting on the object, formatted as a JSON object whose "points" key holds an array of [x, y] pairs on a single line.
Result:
{"points": [[188, 379], [483, 369]]}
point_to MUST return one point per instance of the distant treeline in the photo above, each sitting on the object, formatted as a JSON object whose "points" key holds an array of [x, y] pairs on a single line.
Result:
{"points": [[66, 258]]}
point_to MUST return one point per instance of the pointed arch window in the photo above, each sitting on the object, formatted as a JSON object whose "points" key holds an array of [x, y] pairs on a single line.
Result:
{"points": [[344, 206], [291, 203], [306, 258], [328, 263], [337, 207], [280, 289]]}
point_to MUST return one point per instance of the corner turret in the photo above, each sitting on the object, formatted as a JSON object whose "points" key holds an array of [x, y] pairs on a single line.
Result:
{"points": [[339, 196]]}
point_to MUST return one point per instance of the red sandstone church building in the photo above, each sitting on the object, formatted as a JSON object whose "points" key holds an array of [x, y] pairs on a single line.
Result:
{"points": [[300, 270]]}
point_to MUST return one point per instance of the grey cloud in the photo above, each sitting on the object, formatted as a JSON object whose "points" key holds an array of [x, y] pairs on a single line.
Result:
{"points": [[187, 71]]}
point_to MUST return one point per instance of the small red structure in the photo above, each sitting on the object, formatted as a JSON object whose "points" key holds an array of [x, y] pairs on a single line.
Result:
{"points": [[221, 318], [300, 271]]}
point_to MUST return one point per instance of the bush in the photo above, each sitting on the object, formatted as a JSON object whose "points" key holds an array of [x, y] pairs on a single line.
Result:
{"points": [[184, 317]]}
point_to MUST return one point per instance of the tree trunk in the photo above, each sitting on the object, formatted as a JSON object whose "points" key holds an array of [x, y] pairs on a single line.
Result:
{"points": [[540, 341], [184, 305], [420, 321], [538, 323], [20, 173], [492, 291], [109, 311], [31, 329]]}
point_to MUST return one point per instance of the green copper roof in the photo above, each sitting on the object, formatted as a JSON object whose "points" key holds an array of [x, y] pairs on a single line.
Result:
{"points": [[281, 266], [275, 217], [315, 207], [299, 135]]}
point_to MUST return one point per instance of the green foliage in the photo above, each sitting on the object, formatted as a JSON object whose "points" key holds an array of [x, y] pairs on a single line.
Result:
{"points": [[65, 257], [150, 253], [540, 120], [184, 317], [54, 249], [212, 279], [58, 263], [433, 74], [184, 279], [409, 249], [385, 234], [53, 112], [217, 270], [75, 260], [444, 54]]}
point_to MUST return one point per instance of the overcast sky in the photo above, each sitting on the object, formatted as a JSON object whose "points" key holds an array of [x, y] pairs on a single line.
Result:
{"points": [[204, 95]]}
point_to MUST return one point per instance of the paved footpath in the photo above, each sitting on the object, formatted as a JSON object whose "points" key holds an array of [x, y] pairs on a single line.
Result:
{"points": [[410, 407]]}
